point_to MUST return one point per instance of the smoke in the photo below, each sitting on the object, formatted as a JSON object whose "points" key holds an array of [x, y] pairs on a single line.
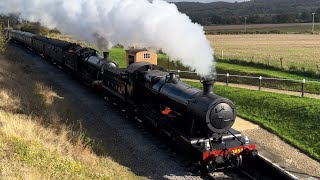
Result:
{"points": [[138, 23], [102, 43]]}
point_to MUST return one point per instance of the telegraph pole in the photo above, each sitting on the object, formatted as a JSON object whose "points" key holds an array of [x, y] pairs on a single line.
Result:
{"points": [[313, 22]]}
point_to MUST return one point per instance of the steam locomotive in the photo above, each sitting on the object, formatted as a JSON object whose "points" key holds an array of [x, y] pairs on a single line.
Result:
{"points": [[198, 119]]}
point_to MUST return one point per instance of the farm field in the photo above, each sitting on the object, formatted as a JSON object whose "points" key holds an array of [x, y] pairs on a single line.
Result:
{"points": [[278, 113], [298, 51], [280, 28]]}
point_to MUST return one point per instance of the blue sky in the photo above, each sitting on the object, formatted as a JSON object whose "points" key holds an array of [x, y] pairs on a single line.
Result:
{"points": [[205, 1]]}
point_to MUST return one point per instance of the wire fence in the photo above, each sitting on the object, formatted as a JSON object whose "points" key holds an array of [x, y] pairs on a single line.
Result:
{"points": [[302, 85]]}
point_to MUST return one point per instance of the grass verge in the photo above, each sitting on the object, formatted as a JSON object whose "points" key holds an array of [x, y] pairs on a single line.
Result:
{"points": [[39, 134], [293, 118]]}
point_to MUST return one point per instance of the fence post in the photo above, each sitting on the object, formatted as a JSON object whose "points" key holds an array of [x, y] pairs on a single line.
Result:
{"points": [[281, 61], [222, 54], [227, 79], [260, 83], [303, 87], [269, 60]]}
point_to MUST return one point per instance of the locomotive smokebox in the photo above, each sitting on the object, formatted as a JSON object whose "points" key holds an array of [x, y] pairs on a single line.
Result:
{"points": [[106, 55], [207, 86]]}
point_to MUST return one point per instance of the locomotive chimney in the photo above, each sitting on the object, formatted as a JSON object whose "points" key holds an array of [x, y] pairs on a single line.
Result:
{"points": [[171, 78], [106, 55], [207, 87]]}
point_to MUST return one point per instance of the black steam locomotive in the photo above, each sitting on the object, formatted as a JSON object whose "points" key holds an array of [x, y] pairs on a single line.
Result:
{"points": [[199, 119]]}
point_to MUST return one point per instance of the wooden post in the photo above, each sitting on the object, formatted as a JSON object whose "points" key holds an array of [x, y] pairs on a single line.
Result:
{"points": [[269, 60], [222, 54], [303, 87], [281, 61], [260, 83], [227, 79]]}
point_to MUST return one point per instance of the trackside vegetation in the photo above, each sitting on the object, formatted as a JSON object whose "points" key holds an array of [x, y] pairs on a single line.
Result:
{"points": [[2, 40], [293, 118], [40, 131]]}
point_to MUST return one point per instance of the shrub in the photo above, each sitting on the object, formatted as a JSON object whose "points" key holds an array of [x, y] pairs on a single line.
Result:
{"points": [[2, 40], [35, 28], [54, 31]]}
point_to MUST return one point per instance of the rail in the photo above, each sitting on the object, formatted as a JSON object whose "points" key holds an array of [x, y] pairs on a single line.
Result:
{"points": [[259, 83]]}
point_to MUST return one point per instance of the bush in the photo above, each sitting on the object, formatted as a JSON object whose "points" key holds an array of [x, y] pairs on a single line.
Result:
{"points": [[2, 40], [54, 31], [35, 28]]}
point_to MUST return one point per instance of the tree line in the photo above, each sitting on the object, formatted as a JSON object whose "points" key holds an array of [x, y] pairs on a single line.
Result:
{"points": [[255, 11], [15, 22], [303, 17]]}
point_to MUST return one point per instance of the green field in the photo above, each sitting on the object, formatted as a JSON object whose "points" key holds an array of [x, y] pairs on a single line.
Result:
{"points": [[119, 56], [293, 118], [235, 69]]}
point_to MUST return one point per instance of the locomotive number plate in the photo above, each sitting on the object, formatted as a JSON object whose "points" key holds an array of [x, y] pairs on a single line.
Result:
{"points": [[237, 151]]}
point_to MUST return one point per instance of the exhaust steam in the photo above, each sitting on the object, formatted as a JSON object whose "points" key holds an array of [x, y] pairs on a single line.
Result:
{"points": [[139, 23]]}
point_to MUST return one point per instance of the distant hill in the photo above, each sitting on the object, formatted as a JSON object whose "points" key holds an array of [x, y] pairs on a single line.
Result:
{"points": [[256, 11]]}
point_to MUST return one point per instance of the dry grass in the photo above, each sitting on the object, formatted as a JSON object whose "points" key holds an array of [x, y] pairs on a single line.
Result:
{"points": [[301, 50], [34, 143], [68, 38]]}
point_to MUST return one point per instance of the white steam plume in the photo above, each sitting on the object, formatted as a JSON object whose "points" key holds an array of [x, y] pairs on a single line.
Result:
{"points": [[139, 23]]}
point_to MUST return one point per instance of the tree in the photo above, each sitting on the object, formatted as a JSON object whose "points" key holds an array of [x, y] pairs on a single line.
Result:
{"points": [[216, 19], [306, 16], [35, 28]]}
